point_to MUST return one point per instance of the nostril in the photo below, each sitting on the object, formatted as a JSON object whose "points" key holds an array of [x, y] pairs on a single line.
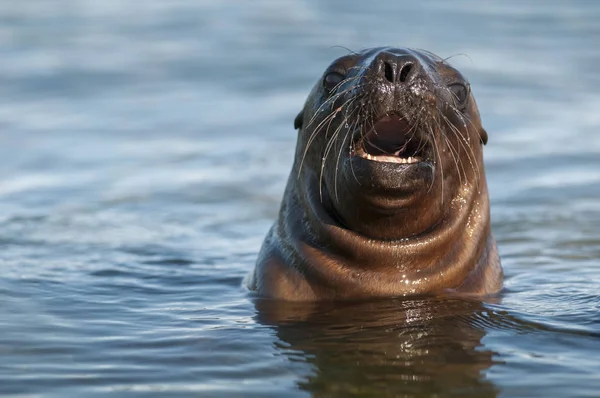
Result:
{"points": [[389, 72], [405, 71]]}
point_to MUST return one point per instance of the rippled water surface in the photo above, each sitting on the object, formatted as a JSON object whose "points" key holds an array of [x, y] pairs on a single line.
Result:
{"points": [[144, 151]]}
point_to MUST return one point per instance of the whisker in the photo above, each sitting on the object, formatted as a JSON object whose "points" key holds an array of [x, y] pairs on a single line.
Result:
{"points": [[437, 150], [337, 162], [328, 148], [330, 100]]}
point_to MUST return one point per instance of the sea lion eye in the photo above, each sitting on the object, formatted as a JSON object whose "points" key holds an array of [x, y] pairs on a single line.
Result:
{"points": [[332, 79], [460, 94]]}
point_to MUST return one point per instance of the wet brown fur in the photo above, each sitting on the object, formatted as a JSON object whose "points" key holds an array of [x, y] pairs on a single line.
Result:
{"points": [[350, 229]]}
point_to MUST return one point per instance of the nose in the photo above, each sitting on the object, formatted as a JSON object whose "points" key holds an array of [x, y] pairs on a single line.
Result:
{"points": [[396, 68]]}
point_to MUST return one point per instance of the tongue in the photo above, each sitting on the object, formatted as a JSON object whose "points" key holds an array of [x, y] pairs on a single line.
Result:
{"points": [[387, 136]]}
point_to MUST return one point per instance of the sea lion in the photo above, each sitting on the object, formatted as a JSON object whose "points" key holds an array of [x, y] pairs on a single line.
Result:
{"points": [[387, 194]]}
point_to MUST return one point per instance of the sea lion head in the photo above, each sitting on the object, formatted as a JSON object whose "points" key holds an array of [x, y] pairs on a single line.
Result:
{"points": [[390, 142], [387, 194]]}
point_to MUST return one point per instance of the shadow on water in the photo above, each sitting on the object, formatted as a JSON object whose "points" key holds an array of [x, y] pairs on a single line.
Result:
{"points": [[417, 348]]}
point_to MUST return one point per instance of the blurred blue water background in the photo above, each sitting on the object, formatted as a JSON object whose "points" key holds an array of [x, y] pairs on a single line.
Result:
{"points": [[144, 148]]}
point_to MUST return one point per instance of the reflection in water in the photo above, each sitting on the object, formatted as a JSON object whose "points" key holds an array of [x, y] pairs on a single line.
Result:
{"points": [[407, 347]]}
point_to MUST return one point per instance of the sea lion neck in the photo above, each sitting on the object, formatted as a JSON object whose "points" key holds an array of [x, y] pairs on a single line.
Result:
{"points": [[343, 264], [410, 250]]}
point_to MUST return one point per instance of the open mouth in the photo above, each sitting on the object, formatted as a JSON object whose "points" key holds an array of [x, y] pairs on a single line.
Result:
{"points": [[391, 140]]}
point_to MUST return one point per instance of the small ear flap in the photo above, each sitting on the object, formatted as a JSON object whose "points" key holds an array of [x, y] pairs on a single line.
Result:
{"points": [[483, 135], [298, 120]]}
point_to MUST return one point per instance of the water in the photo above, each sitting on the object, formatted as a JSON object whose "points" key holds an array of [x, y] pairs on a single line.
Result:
{"points": [[144, 151]]}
